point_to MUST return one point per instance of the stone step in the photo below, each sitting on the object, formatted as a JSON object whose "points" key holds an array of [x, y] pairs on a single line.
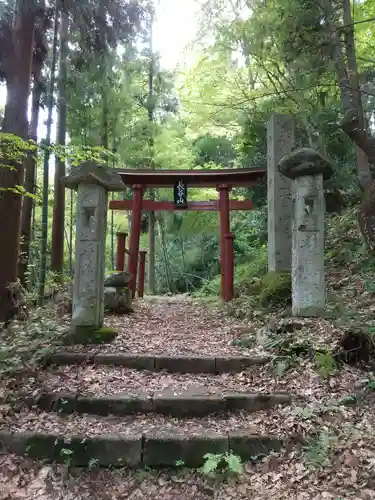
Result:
{"points": [[121, 390], [175, 403], [172, 364], [110, 441]]}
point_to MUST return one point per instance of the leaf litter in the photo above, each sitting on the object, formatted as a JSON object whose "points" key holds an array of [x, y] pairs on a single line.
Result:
{"points": [[335, 456], [171, 326]]}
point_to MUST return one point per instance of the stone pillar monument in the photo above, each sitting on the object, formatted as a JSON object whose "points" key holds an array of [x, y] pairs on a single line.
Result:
{"points": [[280, 141], [307, 169], [92, 182]]}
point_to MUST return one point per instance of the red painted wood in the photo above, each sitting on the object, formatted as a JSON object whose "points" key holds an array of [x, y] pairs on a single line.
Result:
{"points": [[168, 206], [224, 229], [120, 251], [229, 267], [194, 178], [135, 234], [141, 273]]}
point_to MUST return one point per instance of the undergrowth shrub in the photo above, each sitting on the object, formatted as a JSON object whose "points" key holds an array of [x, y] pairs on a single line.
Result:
{"points": [[343, 240], [227, 462], [317, 451], [24, 344], [275, 289], [246, 275]]}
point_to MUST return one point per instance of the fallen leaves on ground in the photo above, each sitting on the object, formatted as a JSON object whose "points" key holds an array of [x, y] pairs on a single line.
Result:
{"points": [[162, 325], [277, 477], [338, 460]]}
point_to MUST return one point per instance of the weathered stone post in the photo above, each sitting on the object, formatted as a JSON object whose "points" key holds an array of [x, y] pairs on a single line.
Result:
{"points": [[307, 168], [280, 141], [92, 182]]}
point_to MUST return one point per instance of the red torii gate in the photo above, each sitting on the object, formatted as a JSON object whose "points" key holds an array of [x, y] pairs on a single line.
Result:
{"points": [[223, 180]]}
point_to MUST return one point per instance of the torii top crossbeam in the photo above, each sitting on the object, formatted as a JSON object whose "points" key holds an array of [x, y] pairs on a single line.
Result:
{"points": [[233, 177]]}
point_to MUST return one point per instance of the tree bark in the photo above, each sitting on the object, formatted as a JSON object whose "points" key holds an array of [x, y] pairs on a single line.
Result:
{"points": [[363, 169], [44, 238], [151, 216], [58, 224], [18, 74], [351, 123], [30, 182]]}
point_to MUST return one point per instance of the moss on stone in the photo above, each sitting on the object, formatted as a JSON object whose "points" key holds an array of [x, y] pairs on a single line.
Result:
{"points": [[276, 288], [87, 335]]}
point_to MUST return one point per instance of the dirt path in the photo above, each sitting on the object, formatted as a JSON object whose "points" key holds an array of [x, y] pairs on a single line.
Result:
{"points": [[177, 325]]}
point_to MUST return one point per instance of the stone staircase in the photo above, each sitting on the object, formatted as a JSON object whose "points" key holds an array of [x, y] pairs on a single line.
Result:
{"points": [[123, 409]]}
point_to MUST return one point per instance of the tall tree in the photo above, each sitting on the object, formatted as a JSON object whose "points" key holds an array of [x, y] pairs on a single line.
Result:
{"points": [[39, 56], [51, 88], [16, 59], [150, 114], [58, 223]]}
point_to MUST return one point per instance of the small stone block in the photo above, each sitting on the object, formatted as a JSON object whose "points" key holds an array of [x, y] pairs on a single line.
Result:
{"points": [[165, 449], [112, 451], [65, 403], [126, 404], [45, 401], [252, 446], [185, 364], [78, 450], [61, 403], [140, 362], [309, 312], [120, 279], [254, 402], [185, 405], [238, 363], [16, 443], [69, 358]]}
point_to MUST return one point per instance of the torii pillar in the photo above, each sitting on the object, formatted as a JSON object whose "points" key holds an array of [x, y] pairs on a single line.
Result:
{"points": [[223, 190], [135, 234]]}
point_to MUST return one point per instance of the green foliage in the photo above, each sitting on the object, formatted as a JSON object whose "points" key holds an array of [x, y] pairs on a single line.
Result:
{"points": [[23, 345], [67, 456], [312, 410], [247, 275], [246, 341], [76, 154], [289, 345], [257, 63], [227, 462], [219, 151], [325, 364], [350, 400], [317, 451], [13, 150], [275, 289]]}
